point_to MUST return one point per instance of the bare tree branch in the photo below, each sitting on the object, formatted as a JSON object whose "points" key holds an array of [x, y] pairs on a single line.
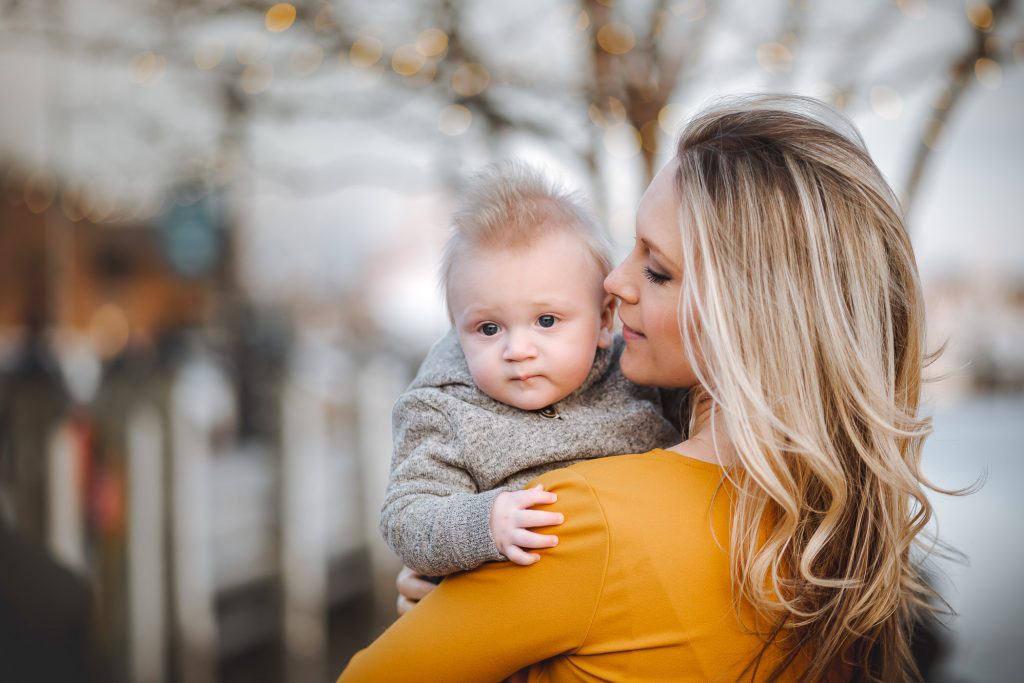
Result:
{"points": [[958, 81]]}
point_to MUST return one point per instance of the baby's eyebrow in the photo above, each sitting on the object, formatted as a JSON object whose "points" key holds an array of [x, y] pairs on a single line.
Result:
{"points": [[555, 304]]}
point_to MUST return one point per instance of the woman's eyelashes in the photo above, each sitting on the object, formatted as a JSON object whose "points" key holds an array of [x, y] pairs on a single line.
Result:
{"points": [[655, 277]]}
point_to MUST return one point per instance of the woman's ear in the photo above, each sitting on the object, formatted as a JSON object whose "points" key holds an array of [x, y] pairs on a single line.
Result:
{"points": [[606, 334]]}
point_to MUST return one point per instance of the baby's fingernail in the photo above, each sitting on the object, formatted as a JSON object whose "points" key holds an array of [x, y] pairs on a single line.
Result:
{"points": [[561, 518]]}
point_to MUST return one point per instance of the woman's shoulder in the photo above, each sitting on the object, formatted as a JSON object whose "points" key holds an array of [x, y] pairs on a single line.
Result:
{"points": [[653, 463], [640, 474]]}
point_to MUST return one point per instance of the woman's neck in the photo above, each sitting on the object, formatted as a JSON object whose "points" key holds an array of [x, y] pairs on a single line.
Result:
{"points": [[708, 440]]}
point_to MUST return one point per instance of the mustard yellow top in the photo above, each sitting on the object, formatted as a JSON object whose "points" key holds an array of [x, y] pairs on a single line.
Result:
{"points": [[637, 589]]}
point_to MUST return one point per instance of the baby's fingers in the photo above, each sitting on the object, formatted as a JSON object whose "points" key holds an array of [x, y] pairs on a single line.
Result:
{"points": [[535, 496], [528, 539], [534, 518], [521, 557]]}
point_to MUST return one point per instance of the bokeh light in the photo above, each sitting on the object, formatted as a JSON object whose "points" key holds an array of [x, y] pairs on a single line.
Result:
{"points": [[280, 17], [980, 15], [432, 42], [670, 118], [209, 55], [622, 140], [365, 52], [616, 109], [109, 330], [455, 119], [470, 79], [913, 9], [148, 67], [989, 73], [406, 60], [616, 38]]}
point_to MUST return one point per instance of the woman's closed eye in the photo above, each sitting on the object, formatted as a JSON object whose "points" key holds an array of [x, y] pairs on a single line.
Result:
{"points": [[655, 277]]}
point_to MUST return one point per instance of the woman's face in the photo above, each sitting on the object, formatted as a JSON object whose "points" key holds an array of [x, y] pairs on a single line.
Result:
{"points": [[647, 284]]}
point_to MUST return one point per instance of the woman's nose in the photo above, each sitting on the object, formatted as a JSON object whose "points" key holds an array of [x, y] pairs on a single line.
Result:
{"points": [[617, 284], [519, 346]]}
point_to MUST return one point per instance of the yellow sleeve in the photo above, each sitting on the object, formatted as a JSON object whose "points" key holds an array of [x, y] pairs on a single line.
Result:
{"points": [[486, 624]]}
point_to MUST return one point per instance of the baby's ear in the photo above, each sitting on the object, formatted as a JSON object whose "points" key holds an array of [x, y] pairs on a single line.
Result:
{"points": [[606, 334]]}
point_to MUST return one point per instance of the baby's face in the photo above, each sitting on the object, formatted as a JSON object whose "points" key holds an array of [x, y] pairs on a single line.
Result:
{"points": [[530, 319]]}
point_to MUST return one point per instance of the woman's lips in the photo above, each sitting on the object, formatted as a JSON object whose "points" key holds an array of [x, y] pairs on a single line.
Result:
{"points": [[629, 333]]}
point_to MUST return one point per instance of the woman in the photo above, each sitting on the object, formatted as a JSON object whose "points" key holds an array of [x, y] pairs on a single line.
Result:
{"points": [[773, 276]]}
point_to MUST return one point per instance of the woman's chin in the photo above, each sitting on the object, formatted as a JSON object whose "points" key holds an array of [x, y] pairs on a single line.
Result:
{"points": [[631, 368]]}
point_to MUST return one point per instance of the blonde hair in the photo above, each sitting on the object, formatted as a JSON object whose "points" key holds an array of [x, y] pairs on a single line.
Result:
{"points": [[509, 205], [809, 330]]}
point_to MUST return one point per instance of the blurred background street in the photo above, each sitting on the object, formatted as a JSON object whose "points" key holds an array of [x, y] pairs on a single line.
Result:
{"points": [[220, 223]]}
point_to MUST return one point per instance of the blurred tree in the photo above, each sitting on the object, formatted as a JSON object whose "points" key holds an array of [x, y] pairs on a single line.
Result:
{"points": [[583, 76]]}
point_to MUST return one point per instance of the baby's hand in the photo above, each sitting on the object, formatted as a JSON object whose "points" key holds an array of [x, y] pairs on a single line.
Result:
{"points": [[511, 517]]}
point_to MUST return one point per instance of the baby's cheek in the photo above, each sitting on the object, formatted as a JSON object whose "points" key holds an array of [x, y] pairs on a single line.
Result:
{"points": [[575, 369], [483, 375]]}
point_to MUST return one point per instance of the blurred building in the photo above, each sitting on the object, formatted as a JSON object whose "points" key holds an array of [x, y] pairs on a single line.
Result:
{"points": [[182, 450]]}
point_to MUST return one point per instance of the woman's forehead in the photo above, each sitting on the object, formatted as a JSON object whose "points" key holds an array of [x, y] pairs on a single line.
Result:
{"points": [[657, 217]]}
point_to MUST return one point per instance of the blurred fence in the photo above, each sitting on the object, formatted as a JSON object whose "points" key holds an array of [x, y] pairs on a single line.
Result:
{"points": [[228, 529]]}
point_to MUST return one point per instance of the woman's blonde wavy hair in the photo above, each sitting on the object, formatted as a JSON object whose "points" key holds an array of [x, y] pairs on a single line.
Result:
{"points": [[804, 294]]}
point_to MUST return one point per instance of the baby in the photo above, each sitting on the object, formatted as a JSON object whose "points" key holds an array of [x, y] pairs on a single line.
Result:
{"points": [[526, 381]]}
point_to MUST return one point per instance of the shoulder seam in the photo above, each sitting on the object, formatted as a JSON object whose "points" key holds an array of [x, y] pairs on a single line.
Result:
{"points": [[604, 569]]}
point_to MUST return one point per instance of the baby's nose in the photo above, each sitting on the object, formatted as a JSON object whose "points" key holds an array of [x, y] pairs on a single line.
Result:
{"points": [[519, 346]]}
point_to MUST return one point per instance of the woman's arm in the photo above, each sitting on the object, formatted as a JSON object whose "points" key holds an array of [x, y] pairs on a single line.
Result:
{"points": [[487, 624]]}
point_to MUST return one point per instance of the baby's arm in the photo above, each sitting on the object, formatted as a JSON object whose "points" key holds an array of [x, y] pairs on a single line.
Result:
{"points": [[510, 517], [433, 517]]}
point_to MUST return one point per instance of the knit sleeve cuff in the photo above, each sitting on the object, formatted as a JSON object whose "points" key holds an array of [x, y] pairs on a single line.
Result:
{"points": [[474, 543]]}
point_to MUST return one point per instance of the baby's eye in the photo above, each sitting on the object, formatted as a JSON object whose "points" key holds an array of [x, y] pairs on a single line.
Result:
{"points": [[546, 321], [488, 329]]}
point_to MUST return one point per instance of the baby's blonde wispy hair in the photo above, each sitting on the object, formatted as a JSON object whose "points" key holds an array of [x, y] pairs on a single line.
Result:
{"points": [[810, 343], [510, 205]]}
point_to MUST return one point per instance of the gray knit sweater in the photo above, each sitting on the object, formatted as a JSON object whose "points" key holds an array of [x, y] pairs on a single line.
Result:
{"points": [[456, 449]]}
